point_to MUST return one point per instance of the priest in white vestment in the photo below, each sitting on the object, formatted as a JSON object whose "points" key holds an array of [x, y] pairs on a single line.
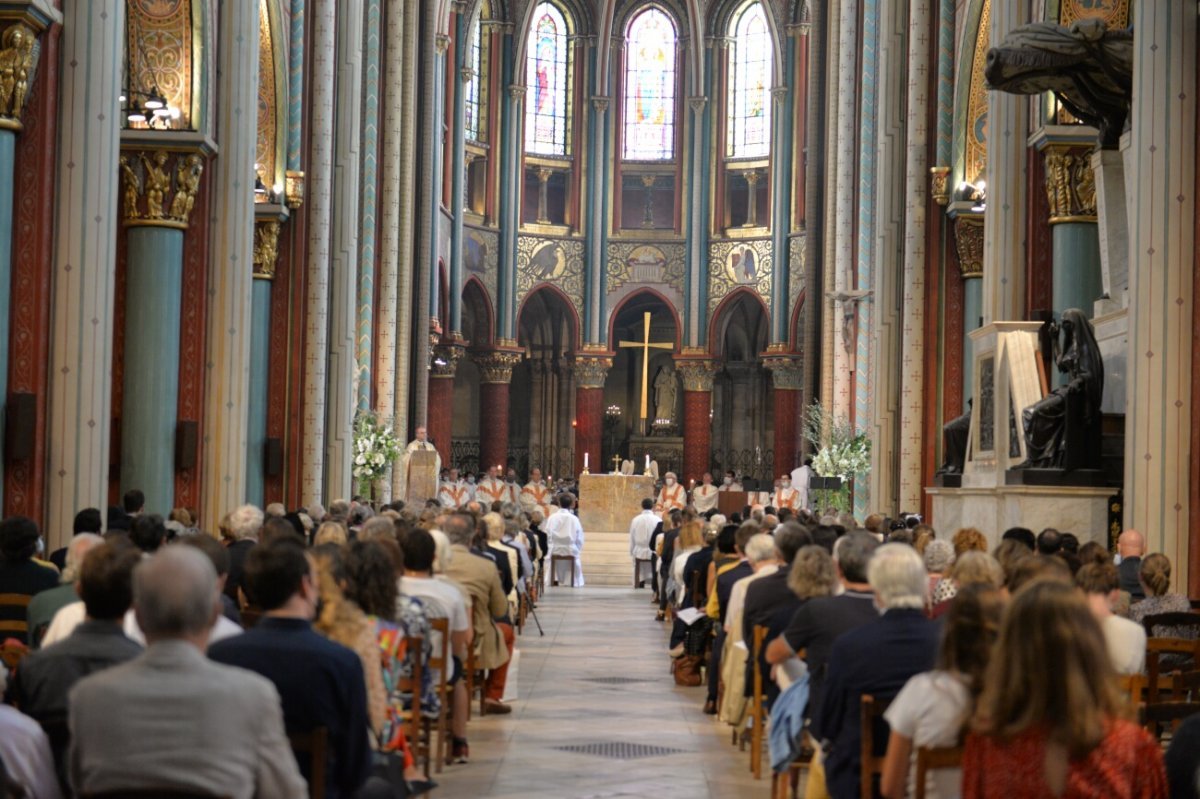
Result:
{"points": [[786, 496], [536, 495], [513, 484], [420, 442], [454, 492], [672, 496], [730, 483], [491, 489], [704, 496], [564, 536], [640, 530], [801, 476]]}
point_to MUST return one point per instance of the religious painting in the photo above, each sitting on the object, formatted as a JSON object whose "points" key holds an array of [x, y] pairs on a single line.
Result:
{"points": [[737, 263], [475, 258], [547, 263], [977, 114], [1113, 13], [547, 83], [555, 261], [634, 263], [159, 52], [650, 87], [742, 265], [646, 264]]}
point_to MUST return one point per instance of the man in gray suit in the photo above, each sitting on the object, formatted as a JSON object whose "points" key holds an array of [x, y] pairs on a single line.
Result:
{"points": [[171, 719]]}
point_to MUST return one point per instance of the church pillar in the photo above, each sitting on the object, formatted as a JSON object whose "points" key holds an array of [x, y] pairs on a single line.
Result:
{"points": [[344, 254], [85, 252], [846, 189], [495, 376], [781, 206], [590, 373], [266, 256], [439, 426], [511, 181], [968, 243], [369, 203], [697, 231], [1071, 189], [1004, 225], [462, 46], [1162, 185], [320, 213], [787, 374], [597, 221], [697, 376], [158, 190]]}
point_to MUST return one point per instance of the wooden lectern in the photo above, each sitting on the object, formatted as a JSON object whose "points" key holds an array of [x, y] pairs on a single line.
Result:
{"points": [[731, 502], [422, 477]]}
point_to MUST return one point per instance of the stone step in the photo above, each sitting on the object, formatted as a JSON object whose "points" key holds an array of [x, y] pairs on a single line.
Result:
{"points": [[606, 559]]}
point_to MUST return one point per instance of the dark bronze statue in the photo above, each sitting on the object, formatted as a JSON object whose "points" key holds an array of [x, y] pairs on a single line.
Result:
{"points": [[955, 434], [1062, 430], [1087, 66]]}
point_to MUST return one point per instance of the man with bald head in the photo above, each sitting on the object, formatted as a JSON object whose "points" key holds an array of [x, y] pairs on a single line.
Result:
{"points": [[1130, 547], [171, 719]]}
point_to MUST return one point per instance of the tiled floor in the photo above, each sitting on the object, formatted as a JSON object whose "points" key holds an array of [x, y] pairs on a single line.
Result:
{"points": [[593, 634]]}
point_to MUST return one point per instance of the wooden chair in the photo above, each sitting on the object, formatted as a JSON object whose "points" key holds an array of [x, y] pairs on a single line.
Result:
{"points": [[439, 662], [554, 561], [872, 721], [1174, 624], [930, 758], [638, 580], [15, 626], [1159, 717], [411, 685], [469, 669], [1157, 649], [758, 715], [313, 745]]}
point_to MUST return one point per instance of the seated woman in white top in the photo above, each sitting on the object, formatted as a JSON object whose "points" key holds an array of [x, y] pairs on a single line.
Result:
{"points": [[691, 538], [933, 707]]}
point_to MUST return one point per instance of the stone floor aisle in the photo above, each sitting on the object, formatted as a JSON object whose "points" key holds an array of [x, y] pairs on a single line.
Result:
{"points": [[598, 715]]}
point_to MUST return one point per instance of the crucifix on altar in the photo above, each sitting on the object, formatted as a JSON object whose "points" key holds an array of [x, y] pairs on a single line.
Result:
{"points": [[645, 345]]}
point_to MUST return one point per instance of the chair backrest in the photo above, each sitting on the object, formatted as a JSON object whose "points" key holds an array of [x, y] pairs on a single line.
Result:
{"points": [[415, 652], [1158, 717], [873, 729], [313, 745], [930, 758], [1157, 648], [1172, 625], [19, 626], [699, 598]]}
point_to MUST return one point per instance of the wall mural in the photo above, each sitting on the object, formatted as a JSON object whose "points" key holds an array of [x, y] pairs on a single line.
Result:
{"points": [[268, 100], [555, 261], [159, 42], [1113, 13], [738, 263], [631, 263], [795, 268], [977, 117], [481, 251]]}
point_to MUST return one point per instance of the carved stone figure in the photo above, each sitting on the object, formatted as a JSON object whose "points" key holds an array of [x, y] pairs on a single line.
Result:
{"points": [[16, 59], [1087, 66], [158, 183], [132, 189], [666, 386], [1062, 430], [187, 182]]}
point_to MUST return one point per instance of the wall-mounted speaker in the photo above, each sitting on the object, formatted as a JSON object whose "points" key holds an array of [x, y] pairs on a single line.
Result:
{"points": [[20, 425], [187, 444], [273, 457]]}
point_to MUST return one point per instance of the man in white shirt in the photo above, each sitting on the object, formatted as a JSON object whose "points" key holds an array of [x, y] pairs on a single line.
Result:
{"points": [[730, 483], [640, 530], [537, 495], [704, 496], [1125, 639], [800, 478], [454, 492], [565, 536], [491, 489], [672, 496]]}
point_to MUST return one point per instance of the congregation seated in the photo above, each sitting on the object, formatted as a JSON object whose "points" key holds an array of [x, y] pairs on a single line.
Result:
{"points": [[26, 762], [1154, 575], [172, 719], [43, 607], [87, 520], [1124, 639], [772, 601], [21, 575]]}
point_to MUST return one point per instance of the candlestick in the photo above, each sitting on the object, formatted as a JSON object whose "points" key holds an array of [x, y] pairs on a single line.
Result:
{"points": [[647, 461], [585, 460]]}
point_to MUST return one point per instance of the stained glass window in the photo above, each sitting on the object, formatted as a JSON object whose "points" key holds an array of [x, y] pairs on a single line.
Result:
{"points": [[548, 84], [749, 85], [476, 88], [649, 111]]}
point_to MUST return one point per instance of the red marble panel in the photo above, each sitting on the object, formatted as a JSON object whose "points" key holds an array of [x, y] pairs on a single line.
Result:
{"points": [[589, 427], [441, 411], [697, 435], [1039, 245], [787, 427]]}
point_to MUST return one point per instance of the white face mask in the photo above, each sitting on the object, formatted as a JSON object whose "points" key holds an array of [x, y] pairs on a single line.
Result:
{"points": [[471, 480], [728, 481], [785, 484], [670, 481]]}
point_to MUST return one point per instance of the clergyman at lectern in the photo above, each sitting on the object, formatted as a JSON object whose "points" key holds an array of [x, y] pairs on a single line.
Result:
{"points": [[420, 443]]}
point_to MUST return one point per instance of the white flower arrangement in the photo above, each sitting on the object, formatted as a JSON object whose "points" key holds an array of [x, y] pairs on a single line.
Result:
{"points": [[375, 448], [846, 455]]}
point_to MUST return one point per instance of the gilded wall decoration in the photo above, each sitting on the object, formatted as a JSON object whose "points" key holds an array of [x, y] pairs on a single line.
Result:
{"points": [[745, 262], [159, 188], [795, 268], [481, 256], [1113, 13], [977, 127], [267, 145], [646, 264], [160, 44], [1070, 185], [18, 62], [558, 262]]}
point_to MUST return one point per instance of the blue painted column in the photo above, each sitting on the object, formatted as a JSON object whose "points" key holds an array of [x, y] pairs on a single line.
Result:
{"points": [[150, 393], [781, 194], [457, 172], [972, 318], [8, 146], [1077, 278], [513, 104], [438, 111], [597, 181], [256, 428]]}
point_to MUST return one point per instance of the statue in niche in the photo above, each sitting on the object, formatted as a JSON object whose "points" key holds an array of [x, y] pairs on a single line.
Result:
{"points": [[1087, 66], [666, 387], [955, 435], [1062, 430]]}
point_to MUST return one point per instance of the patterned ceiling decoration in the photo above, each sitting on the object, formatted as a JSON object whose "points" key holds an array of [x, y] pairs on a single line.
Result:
{"points": [[976, 156], [1114, 13], [557, 262], [268, 99], [649, 264], [738, 263], [161, 47]]}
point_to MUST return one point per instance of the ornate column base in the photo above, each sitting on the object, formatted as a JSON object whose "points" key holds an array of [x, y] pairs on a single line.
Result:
{"points": [[787, 373], [590, 372], [697, 415], [495, 377]]}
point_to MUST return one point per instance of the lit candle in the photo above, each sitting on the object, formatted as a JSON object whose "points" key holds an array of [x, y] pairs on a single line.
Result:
{"points": [[647, 461], [585, 461]]}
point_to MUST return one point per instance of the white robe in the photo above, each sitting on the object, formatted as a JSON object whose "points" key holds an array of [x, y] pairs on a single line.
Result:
{"points": [[491, 489], [704, 497], [412, 447], [786, 498], [537, 496], [455, 495], [801, 476], [564, 536], [671, 497], [640, 530]]}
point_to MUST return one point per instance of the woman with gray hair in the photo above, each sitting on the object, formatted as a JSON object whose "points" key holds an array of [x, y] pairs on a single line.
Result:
{"points": [[763, 559], [939, 557]]}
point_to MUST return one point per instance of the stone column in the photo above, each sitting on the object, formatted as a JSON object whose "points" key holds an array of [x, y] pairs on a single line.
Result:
{"points": [[158, 190], [697, 229], [1004, 225], [591, 369], [441, 397], [597, 176], [462, 46], [1162, 182], [698, 373], [968, 242], [781, 195], [511, 182], [320, 214], [787, 373], [85, 252], [846, 190], [267, 223], [495, 376], [1071, 188], [227, 384], [366, 302]]}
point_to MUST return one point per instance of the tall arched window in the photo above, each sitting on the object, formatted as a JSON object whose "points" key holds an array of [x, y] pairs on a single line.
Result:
{"points": [[548, 83], [750, 84], [649, 110], [477, 86]]}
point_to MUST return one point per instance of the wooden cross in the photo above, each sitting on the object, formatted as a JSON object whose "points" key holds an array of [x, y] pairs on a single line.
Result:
{"points": [[645, 345]]}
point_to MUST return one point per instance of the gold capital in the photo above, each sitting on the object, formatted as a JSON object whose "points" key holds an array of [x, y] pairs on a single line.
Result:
{"points": [[159, 187], [591, 370], [939, 177], [496, 366], [697, 373], [1070, 184], [968, 241], [18, 59]]}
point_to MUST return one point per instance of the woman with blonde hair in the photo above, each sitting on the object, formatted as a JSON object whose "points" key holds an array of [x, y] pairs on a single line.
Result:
{"points": [[1050, 720], [331, 533], [1155, 577]]}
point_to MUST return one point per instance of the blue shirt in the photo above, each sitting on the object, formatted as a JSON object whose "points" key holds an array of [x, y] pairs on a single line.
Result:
{"points": [[320, 684]]}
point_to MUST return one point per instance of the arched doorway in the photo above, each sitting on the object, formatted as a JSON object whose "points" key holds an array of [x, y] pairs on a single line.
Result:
{"points": [[626, 432], [542, 396], [477, 329], [743, 420]]}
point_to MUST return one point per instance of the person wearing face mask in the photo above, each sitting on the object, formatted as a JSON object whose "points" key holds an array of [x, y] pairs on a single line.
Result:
{"points": [[730, 482], [513, 484], [704, 496], [672, 496], [491, 489], [785, 495], [454, 492]]}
